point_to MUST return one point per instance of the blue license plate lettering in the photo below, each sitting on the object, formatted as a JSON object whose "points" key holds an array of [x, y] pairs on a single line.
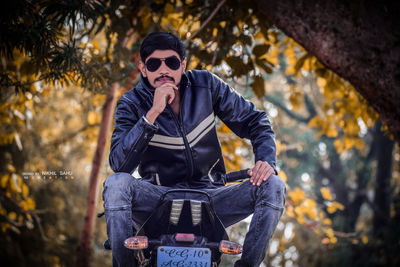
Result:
{"points": [[183, 257]]}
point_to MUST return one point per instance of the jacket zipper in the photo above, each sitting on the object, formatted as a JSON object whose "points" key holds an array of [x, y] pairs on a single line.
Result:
{"points": [[179, 122]]}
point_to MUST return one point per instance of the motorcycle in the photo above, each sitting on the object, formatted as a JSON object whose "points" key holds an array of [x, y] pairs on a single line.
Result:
{"points": [[184, 231]]}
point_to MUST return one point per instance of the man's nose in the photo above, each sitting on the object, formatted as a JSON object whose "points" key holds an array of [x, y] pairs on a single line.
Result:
{"points": [[163, 68]]}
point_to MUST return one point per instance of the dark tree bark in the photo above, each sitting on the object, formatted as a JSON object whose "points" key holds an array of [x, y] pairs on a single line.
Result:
{"points": [[363, 176], [383, 194], [84, 247], [359, 40]]}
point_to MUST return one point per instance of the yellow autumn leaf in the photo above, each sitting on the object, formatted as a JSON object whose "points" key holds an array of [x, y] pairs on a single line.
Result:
{"points": [[279, 147], [4, 180], [28, 204], [331, 209], [273, 54], [215, 32], [338, 143], [326, 194], [327, 221], [295, 100], [290, 70], [297, 195], [338, 205], [258, 36], [25, 190], [307, 65], [331, 132], [309, 203], [364, 239], [96, 45], [299, 210], [91, 117], [333, 240], [325, 241], [289, 212], [321, 82], [309, 208], [312, 214], [300, 219], [12, 215], [315, 122], [10, 168], [330, 233], [283, 176], [98, 100], [2, 211], [147, 20]]}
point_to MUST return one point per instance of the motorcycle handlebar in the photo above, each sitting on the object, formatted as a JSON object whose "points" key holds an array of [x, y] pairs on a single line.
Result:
{"points": [[236, 176]]}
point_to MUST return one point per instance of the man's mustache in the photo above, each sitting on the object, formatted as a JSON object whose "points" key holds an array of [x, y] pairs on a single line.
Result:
{"points": [[163, 77]]}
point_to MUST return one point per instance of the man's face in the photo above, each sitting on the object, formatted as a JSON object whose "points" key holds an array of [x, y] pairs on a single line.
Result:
{"points": [[165, 73]]}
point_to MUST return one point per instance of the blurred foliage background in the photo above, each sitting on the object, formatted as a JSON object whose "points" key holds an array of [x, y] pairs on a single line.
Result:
{"points": [[58, 61]]}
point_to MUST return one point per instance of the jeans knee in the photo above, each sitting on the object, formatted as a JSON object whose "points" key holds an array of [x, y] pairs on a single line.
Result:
{"points": [[118, 179], [273, 192], [118, 191]]}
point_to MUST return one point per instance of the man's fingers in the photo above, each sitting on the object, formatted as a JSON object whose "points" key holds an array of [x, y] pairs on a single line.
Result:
{"points": [[261, 174], [173, 86], [254, 172], [258, 174], [269, 173], [249, 172], [170, 96]]}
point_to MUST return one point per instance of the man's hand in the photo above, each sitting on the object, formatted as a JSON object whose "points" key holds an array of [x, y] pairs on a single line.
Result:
{"points": [[260, 172], [162, 95]]}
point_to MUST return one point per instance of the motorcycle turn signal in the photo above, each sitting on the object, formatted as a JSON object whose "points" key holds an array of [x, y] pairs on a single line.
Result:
{"points": [[229, 247], [137, 242]]}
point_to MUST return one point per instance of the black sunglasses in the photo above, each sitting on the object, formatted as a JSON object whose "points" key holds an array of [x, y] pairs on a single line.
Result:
{"points": [[154, 63]]}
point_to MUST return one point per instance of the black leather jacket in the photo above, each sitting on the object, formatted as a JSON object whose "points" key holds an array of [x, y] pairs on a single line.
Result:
{"points": [[185, 149]]}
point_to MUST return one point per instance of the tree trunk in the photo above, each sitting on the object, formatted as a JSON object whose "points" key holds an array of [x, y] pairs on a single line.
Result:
{"points": [[84, 248], [382, 197], [363, 176], [359, 40]]}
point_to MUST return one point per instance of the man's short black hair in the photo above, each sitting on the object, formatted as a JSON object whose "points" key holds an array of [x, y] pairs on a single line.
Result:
{"points": [[161, 41]]}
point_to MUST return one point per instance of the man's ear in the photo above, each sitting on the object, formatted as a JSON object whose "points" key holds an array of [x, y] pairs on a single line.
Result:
{"points": [[184, 61], [142, 69]]}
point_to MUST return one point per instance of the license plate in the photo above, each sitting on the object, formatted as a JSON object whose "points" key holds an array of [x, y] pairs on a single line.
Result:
{"points": [[183, 257]]}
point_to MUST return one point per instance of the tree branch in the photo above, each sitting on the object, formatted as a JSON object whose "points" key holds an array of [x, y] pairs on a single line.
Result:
{"points": [[186, 42], [71, 135], [290, 113]]}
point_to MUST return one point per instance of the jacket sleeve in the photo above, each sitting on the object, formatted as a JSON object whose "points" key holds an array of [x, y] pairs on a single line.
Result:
{"points": [[130, 137], [242, 117]]}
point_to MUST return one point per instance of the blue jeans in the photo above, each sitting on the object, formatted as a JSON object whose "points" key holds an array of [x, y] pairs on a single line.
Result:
{"points": [[129, 201]]}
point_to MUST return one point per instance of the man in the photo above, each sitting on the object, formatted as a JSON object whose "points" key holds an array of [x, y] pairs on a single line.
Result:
{"points": [[166, 127]]}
